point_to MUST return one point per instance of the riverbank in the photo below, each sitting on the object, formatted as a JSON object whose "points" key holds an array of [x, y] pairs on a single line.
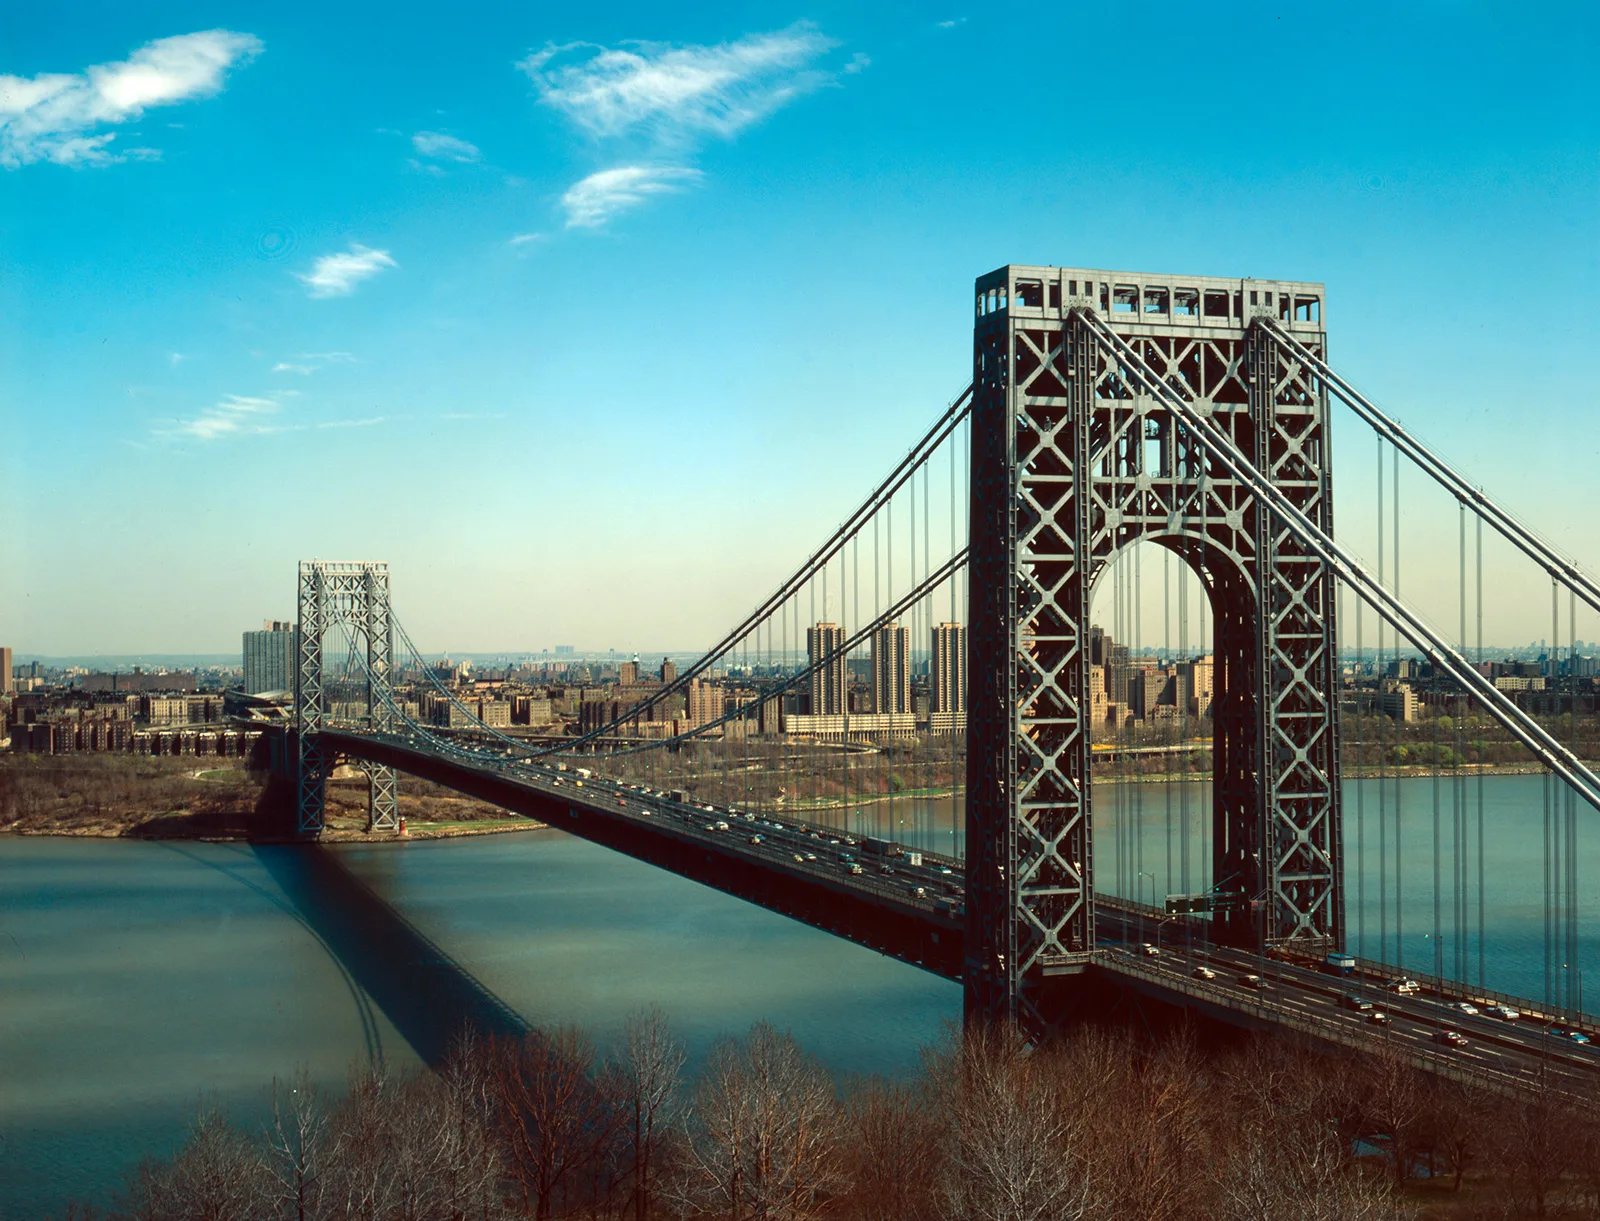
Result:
{"points": [[134, 797], [1111, 775]]}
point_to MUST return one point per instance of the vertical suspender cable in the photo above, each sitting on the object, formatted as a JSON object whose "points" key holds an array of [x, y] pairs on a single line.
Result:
{"points": [[1574, 970], [1438, 854], [1383, 798], [1399, 801], [924, 633], [1166, 648], [1360, 785], [956, 703], [1482, 761]]}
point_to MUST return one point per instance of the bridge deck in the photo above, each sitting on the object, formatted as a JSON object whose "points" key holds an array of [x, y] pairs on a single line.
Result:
{"points": [[915, 912]]}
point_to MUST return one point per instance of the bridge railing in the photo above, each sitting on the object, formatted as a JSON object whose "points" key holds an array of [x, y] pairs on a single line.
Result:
{"points": [[1447, 989], [1286, 1017]]}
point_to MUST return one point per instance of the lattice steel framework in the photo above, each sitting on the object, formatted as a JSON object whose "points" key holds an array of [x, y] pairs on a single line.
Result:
{"points": [[330, 594], [1071, 463]]}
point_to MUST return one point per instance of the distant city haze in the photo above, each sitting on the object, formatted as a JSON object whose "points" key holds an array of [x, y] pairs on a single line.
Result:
{"points": [[590, 361]]}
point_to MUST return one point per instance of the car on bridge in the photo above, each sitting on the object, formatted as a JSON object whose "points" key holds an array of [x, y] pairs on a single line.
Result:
{"points": [[1571, 1036], [1450, 1038], [1203, 973], [1404, 987], [1351, 1001], [1504, 1012], [1466, 1007], [1148, 950], [1255, 983], [1379, 1018]]}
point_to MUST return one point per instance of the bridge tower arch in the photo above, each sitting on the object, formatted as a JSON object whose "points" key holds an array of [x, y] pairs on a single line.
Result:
{"points": [[356, 595], [1071, 463]]}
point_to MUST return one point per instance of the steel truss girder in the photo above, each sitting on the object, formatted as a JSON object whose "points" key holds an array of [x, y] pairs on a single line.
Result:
{"points": [[1072, 463], [355, 596]]}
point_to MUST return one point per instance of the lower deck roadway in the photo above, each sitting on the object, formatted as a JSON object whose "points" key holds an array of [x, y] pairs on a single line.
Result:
{"points": [[915, 912]]}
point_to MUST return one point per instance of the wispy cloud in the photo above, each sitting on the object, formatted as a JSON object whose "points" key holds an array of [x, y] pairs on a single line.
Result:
{"points": [[366, 423], [236, 414], [336, 275], [591, 202], [307, 363], [176, 358], [525, 239], [443, 147], [676, 93], [952, 23], [56, 116]]}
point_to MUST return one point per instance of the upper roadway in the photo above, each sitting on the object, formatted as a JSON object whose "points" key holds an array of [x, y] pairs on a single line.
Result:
{"points": [[912, 907]]}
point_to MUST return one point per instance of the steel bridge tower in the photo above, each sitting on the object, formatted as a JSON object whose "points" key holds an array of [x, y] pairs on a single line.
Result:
{"points": [[356, 595], [1072, 463]]}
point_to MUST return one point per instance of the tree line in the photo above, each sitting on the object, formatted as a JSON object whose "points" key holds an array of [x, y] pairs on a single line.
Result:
{"points": [[1099, 1126]]}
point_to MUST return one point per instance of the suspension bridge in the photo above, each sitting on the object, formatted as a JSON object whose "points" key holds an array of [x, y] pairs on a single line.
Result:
{"points": [[1106, 410]]}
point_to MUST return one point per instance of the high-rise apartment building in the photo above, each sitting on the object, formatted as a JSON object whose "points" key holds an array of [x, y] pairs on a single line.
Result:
{"points": [[947, 678], [1199, 678], [630, 673], [5, 669], [1145, 686], [827, 682], [669, 672], [891, 669], [269, 658], [705, 703]]}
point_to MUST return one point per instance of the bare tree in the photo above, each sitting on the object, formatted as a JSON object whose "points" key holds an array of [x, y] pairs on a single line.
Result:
{"points": [[216, 1176], [882, 1121], [1297, 1173], [649, 1072], [1395, 1102], [1013, 1151], [1535, 1146], [468, 1183], [356, 1182], [552, 1120], [296, 1144], [1148, 1119], [764, 1132]]}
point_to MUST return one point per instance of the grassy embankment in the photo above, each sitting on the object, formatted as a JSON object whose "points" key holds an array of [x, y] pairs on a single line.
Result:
{"points": [[114, 795]]}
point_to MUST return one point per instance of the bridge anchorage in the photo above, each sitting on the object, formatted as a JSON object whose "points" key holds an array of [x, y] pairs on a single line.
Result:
{"points": [[1075, 458]]}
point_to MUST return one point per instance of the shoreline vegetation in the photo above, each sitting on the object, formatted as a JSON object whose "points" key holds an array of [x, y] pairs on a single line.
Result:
{"points": [[110, 796], [1106, 1123]]}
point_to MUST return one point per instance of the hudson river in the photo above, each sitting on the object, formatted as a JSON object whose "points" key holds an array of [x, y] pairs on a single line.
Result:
{"points": [[137, 979]]}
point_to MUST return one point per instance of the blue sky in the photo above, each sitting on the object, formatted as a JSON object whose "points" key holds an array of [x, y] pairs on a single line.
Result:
{"points": [[592, 323]]}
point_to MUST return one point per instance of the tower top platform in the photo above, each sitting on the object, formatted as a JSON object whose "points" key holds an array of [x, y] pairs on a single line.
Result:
{"points": [[1140, 298]]}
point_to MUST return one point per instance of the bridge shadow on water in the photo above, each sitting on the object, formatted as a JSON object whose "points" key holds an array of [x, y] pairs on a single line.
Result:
{"points": [[427, 995]]}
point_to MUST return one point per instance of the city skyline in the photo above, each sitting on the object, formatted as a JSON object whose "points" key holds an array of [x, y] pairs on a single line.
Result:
{"points": [[272, 261]]}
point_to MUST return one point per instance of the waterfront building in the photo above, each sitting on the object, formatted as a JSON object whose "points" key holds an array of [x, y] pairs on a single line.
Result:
{"points": [[947, 680], [705, 702], [828, 681], [891, 674], [269, 658]]}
